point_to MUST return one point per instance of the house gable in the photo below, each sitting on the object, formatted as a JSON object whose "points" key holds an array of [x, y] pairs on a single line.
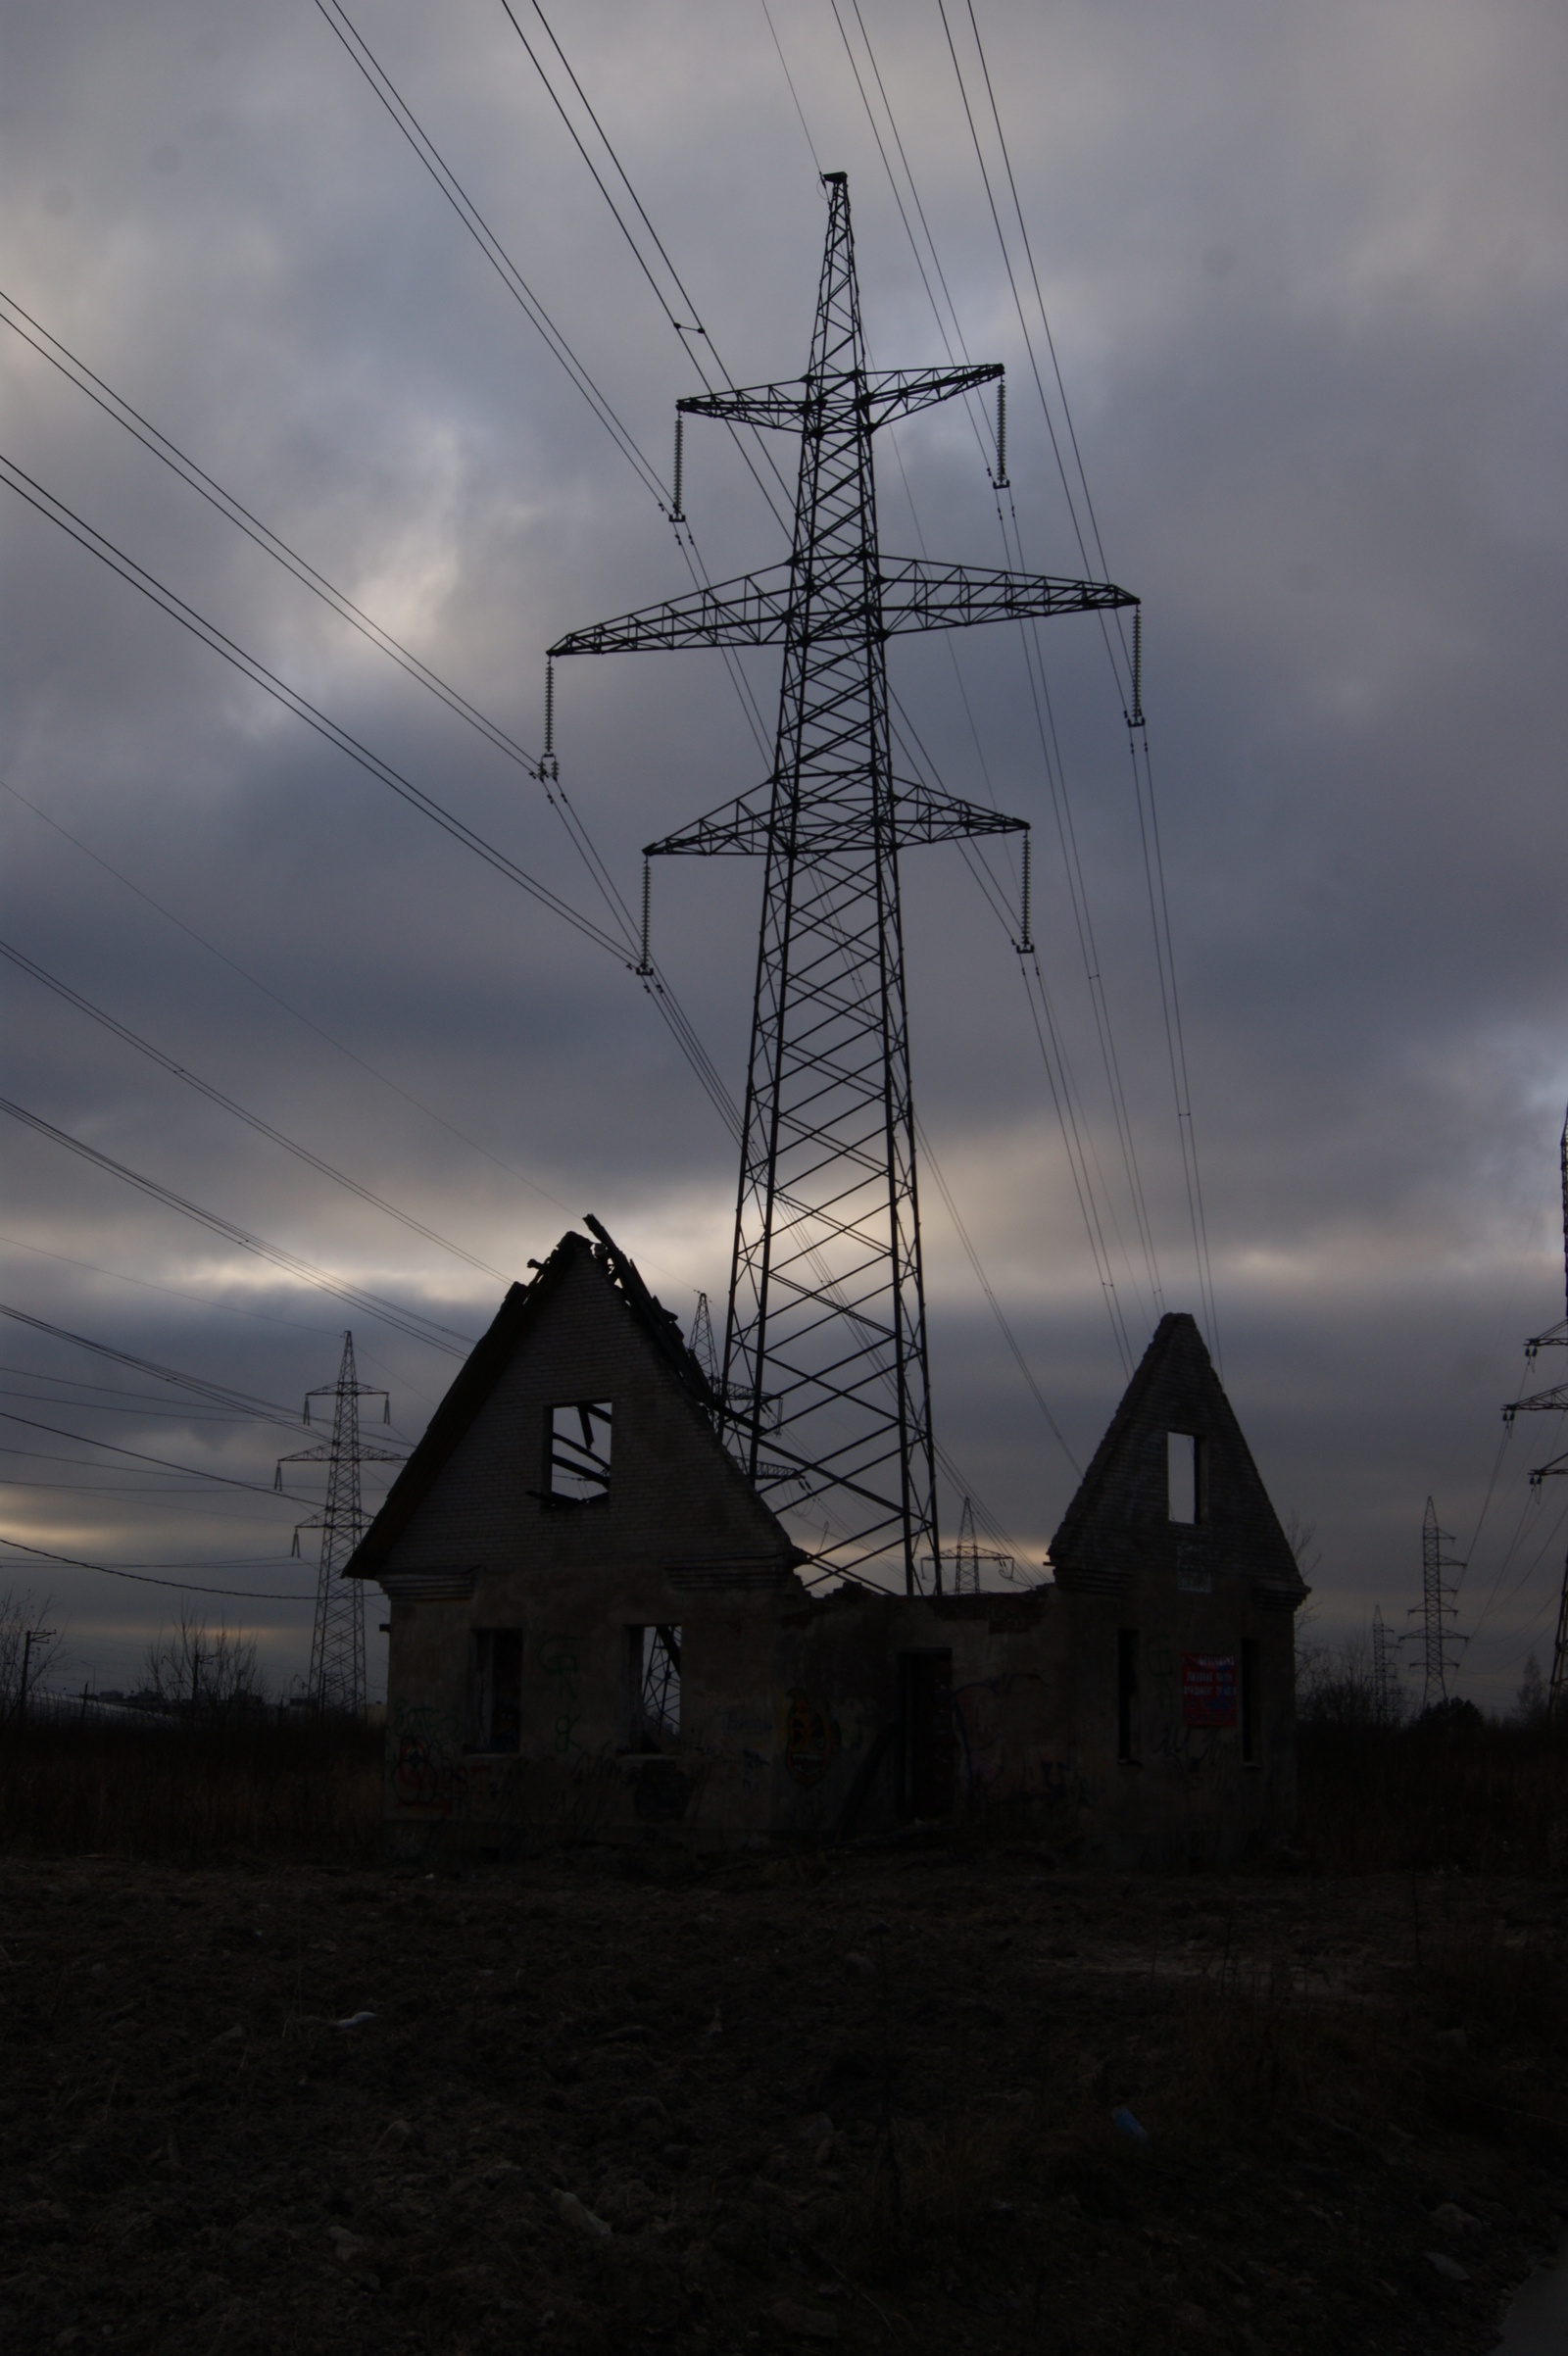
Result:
{"points": [[1121, 1521], [475, 1497]]}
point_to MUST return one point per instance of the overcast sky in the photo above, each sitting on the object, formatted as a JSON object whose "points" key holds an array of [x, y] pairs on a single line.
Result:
{"points": [[1306, 273]]}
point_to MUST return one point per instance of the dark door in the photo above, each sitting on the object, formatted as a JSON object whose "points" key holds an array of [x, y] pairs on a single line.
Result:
{"points": [[928, 1743]]}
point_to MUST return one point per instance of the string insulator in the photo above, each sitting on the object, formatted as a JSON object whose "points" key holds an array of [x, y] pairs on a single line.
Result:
{"points": [[644, 962], [1135, 717], [1025, 946], [549, 766], [677, 514], [1002, 434]]}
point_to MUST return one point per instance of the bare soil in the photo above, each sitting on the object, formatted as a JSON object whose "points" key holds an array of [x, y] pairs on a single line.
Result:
{"points": [[866, 2100]]}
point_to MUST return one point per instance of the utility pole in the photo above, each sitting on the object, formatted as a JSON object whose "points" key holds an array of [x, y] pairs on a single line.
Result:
{"points": [[825, 1388], [30, 1635], [337, 1642], [1434, 1609], [1542, 1403]]}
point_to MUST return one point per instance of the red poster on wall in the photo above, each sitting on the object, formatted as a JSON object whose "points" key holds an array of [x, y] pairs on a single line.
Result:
{"points": [[1208, 1688]]}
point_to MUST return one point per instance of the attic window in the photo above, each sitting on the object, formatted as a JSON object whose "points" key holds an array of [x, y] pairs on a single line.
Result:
{"points": [[1187, 1476], [579, 1450]]}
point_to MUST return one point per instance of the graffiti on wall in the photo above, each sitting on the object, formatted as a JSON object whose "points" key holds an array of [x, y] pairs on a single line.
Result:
{"points": [[428, 1769], [1010, 1749], [809, 1739]]}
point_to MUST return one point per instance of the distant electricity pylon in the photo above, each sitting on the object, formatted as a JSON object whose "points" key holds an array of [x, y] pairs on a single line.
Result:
{"points": [[337, 1644], [700, 1342], [1542, 1402], [1435, 1609], [1385, 1671], [825, 1388], [969, 1555]]}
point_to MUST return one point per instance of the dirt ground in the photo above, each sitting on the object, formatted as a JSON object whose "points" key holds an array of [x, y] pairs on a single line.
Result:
{"points": [[867, 2099]]}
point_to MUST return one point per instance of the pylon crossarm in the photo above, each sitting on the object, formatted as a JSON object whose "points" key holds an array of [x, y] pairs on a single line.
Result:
{"points": [[780, 405], [875, 394], [751, 824], [753, 610], [1540, 1403], [918, 596], [898, 392]]}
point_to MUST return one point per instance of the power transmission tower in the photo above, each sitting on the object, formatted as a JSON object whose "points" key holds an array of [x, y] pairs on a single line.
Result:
{"points": [[1385, 1671], [969, 1555], [1434, 1609], [824, 1391], [700, 1342], [1542, 1403], [337, 1642]]}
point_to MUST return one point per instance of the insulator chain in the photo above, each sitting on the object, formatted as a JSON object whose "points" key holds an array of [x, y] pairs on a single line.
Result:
{"points": [[645, 964], [549, 766], [1135, 719], [1026, 944]]}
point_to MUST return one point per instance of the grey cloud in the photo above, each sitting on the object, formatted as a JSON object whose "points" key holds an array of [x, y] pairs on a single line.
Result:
{"points": [[1307, 281]]}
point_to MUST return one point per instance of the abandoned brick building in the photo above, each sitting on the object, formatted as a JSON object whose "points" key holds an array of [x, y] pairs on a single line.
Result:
{"points": [[598, 1627]]}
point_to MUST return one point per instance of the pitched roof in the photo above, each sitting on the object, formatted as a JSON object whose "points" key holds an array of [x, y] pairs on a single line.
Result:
{"points": [[1119, 1519], [493, 1352]]}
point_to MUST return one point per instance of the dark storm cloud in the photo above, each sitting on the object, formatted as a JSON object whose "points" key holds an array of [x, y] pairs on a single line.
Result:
{"points": [[1307, 276]]}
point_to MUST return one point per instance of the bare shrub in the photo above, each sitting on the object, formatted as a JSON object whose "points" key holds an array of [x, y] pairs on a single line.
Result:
{"points": [[193, 1667]]}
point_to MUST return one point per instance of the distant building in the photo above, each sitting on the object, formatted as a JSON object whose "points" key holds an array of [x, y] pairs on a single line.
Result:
{"points": [[598, 1629]]}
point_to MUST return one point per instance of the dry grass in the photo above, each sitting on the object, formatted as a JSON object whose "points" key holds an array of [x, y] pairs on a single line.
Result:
{"points": [[1454, 1792], [198, 1791]]}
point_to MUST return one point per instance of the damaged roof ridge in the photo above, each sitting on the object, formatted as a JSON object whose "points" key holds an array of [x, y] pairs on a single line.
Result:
{"points": [[480, 1371]]}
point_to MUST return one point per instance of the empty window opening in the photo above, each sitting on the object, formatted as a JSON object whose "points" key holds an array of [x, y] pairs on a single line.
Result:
{"points": [[1127, 1743], [652, 1712], [1251, 1669], [497, 1688], [579, 1450], [1187, 1477], [930, 1752]]}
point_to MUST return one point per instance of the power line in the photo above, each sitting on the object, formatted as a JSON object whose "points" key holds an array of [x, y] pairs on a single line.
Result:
{"points": [[408, 1322], [221, 1394], [794, 93], [252, 1120], [490, 245], [268, 991], [192, 1472], [182, 1587], [209, 634], [113, 405]]}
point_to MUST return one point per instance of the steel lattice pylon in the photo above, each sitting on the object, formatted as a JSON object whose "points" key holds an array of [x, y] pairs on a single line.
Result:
{"points": [[1552, 1402], [337, 1644], [1435, 1610], [824, 1393]]}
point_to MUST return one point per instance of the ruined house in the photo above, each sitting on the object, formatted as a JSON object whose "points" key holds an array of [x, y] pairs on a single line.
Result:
{"points": [[598, 1629]]}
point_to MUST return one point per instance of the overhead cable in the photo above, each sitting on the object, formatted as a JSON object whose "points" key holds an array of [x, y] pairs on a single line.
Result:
{"points": [[219, 1393], [418, 1328], [113, 405], [183, 1586], [191, 1472], [490, 245], [96, 543], [252, 1120]]}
